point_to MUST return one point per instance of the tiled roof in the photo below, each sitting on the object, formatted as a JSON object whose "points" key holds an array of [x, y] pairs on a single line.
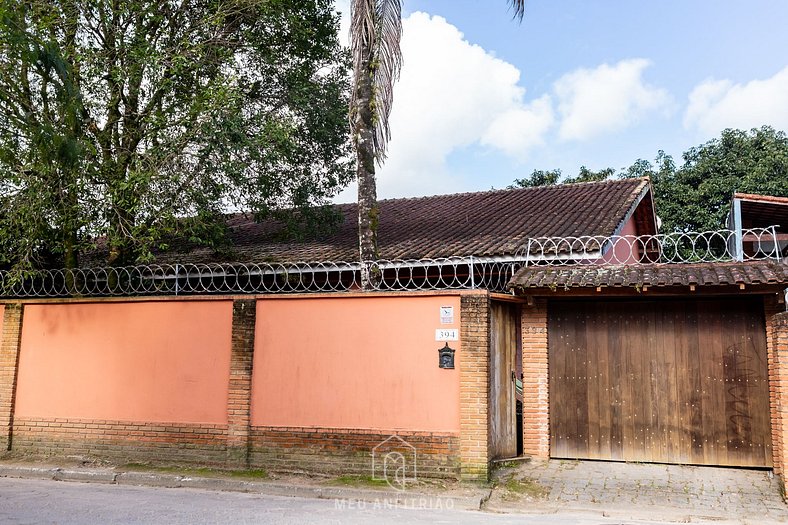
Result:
{"points": [[486, 223], [655, 275], [761, 198], [763, 211]]}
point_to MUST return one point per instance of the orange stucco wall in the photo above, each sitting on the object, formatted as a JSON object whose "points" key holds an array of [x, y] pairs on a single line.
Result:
{"points": [[2, 317], [141, 361], [365, 363]]}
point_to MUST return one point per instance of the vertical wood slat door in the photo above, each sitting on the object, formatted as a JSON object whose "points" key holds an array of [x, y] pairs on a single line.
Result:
{"points": [[503, 349], [668, 381]]}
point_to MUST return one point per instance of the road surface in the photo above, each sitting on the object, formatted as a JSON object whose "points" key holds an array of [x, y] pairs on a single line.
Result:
{"points": [[37, 502]]}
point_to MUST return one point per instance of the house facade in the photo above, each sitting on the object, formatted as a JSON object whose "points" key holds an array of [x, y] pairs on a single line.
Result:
{"points": [[537, 321]]}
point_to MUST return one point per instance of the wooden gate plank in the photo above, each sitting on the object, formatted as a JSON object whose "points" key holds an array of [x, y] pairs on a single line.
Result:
{"points": [[596, 386], [683, 389], [653, 382], [558, 367], [616, 368], [580, 353], [604, 448], [713, 385]]}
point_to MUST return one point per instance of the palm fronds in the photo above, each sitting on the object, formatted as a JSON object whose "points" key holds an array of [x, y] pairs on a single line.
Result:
{"points": [[518, 6], [376, 29]]}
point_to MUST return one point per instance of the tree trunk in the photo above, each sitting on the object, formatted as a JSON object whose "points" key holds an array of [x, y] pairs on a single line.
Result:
{"points": [[119, 250], [363, 139]]}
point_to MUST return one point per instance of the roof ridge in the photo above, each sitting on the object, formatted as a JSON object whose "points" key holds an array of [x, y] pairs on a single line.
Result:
{"points": [[489, 223], [642, 180]]}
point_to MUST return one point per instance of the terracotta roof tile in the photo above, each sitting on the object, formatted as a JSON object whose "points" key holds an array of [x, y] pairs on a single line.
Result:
{"points": [[654, 275], [761, 198], [489, 223]]}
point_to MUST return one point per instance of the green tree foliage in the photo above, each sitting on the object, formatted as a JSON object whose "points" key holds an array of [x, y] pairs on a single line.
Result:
{"points": [[587, 175], [538, 178], [550, 177], [139, 121], [662, 173], [696, 196]]}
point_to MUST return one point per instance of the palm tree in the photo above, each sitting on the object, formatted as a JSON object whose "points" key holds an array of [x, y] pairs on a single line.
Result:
{"points": [[375, 32]]}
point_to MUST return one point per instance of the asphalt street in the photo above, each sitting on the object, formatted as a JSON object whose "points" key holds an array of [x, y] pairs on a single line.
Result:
{"points": [[37, 502]]}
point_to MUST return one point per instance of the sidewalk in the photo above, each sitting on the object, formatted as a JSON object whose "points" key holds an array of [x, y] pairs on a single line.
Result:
{"points": [[437, 494], [637, 491], [618, 491]]}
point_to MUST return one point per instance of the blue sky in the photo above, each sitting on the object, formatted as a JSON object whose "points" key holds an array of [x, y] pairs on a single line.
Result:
{"points": [[484, 100]]}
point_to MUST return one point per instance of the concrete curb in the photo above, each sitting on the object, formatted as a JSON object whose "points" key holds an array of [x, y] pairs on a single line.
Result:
{"points": [[152, 479], [85, 476], [147, 479], [28, 472]]}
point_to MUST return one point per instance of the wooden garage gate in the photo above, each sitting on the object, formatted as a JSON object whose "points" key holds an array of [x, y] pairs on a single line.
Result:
{"points": [[669, 381]]}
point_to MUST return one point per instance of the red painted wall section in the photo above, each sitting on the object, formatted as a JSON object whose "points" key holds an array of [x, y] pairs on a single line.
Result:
{"points": [[362, 363], [625, 251], [142, 361]]}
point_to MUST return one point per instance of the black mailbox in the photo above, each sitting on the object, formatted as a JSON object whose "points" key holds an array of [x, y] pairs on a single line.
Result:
{"points": [[446, 357]]}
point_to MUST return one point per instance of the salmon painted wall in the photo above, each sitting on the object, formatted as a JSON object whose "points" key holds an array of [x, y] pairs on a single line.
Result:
{"points": [[625, 251], [2, 318], [139, 361], [362, 363]]}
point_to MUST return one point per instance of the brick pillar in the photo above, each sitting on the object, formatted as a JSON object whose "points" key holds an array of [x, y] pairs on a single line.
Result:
{"points": [[474, 385], [9, 359], [777, 358], [536, 407], [239, 399]]}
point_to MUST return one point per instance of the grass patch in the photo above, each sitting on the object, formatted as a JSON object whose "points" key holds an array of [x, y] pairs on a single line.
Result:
{"points": [[255, 473], [249, 474], [351, 480], [526, 487], [500, 465]]}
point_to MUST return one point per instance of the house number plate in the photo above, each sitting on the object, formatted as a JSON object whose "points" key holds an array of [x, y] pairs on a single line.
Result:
{"points": [[444, 334]]}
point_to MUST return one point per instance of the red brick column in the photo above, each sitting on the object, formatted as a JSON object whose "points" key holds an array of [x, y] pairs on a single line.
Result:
{"points": [[474, 363], [239, 398], [777, 357], [9, 359], [536, 407]]}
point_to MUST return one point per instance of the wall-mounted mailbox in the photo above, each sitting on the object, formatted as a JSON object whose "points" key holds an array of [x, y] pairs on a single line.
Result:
{"points": [[446, 357]]}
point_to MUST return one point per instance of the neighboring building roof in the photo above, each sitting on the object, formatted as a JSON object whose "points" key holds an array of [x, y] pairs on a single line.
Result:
{"points": [[761, 211], [761, 198], [490, 223], [653, 275]]}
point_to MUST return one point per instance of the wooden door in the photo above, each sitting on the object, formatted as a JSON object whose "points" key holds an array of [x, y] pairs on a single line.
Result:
{"points": [[503, 350], [669, 381]]}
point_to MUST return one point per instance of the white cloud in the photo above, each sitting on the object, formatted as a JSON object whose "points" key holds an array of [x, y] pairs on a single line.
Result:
{"points": [[521, 128], [453, 94], [718, 104], [606, 99]]}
